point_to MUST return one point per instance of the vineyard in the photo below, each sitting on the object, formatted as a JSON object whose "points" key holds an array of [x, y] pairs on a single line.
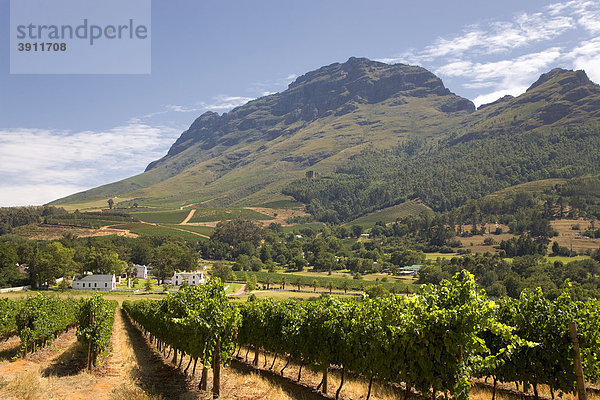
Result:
{"points": [[438, 343], [39, 319], [434, 343]]}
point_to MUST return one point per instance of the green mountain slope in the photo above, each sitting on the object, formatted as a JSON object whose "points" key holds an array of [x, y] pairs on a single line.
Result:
{"points": [[353, 138], [249, 154], [551, 131]]}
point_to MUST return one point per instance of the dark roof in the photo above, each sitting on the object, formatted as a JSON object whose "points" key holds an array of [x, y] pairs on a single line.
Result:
{"points": [[93, 278]]}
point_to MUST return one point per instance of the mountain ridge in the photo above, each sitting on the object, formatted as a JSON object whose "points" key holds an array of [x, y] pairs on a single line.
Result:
{"points": [[330, 115]]}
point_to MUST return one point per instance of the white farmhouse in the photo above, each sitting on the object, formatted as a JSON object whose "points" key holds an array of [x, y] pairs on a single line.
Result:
{"points": [[95, 282], [141, 271], [192, 278]]}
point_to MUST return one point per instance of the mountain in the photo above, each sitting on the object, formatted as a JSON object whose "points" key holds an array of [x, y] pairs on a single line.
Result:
{"points": [[247, 155], [376, 135], [550, 131]]}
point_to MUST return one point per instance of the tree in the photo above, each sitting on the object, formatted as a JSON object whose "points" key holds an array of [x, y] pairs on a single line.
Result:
{"points": [[377, 291], [223, 271], [238, 230], [103, 261], [255, 264], [314, 285], [141, 252], [298, 283], [298, 263], [8, 264], [357, 230], [330, 286], [404, 258], [251, 283], [148, 285], [111, 203], [170, 257], [265, 253], [53, 261], [345, 286]]}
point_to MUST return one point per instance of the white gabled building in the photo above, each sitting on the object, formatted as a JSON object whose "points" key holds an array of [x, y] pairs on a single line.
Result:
{"points": [[192, 278], [142, 271], [95, 282]]}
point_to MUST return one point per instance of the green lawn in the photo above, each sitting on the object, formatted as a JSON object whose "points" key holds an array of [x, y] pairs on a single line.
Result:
{"points": [[232, 287]]}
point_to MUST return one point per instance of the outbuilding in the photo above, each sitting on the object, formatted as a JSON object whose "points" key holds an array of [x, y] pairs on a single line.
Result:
{"points": [[192, 278], [95, 282]]}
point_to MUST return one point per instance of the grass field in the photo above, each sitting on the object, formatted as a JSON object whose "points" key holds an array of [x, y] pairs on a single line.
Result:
{"points": [[435, 256], [162, 217], [287, 295], [566, 260], [282, 204], [160, 230], [390, 214], [204, 230], [232, 287], [222, 214], [323, 280]]}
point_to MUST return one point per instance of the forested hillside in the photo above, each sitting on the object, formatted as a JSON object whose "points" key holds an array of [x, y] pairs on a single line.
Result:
{"points": [[551, 131]]}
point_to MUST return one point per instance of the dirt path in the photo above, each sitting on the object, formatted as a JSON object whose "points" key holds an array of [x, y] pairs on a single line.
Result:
{"points": [[116, 368], [189, 216], [240, 291]]}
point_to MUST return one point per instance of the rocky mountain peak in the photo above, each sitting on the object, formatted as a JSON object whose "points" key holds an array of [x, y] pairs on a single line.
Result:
{"points": [[568, 79]]}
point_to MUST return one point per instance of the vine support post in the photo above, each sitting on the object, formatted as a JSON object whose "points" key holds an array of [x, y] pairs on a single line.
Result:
{"points": [[337, 393], [370, 386], [581, 394], [174, 361], [324, 388], [204, 378], [255, 362], [217, 370], [89, 358]]}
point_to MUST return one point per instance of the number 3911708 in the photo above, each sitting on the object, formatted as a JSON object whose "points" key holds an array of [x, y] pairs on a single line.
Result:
{"points": [[42, 46]]}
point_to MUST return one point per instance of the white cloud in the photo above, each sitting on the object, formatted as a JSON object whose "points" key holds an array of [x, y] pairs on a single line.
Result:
{"points": [[587, 57], [224, 102], [499, 57], [34, 194], [510, 76], [40, 165], [493, 96], [182, 109]]}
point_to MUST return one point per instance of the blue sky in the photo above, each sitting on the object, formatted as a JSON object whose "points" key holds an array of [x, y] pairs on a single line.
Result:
{"points": [[64, 133]]}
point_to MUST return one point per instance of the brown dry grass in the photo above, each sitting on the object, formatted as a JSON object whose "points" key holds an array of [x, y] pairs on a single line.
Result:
{"points": [[569, 237], [48, 232]]}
